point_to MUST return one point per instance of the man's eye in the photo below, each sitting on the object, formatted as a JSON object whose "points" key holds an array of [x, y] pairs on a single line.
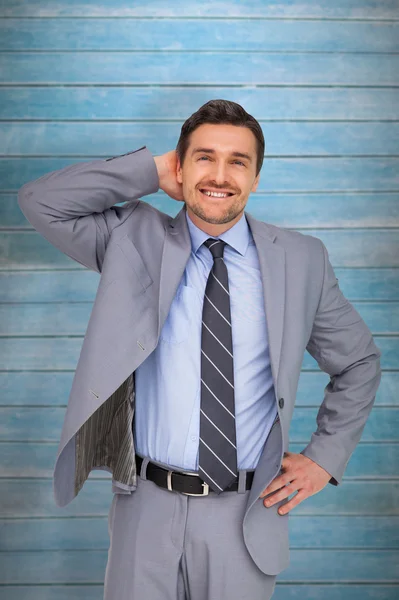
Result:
{"points": [[201, 157], [240, 162]]}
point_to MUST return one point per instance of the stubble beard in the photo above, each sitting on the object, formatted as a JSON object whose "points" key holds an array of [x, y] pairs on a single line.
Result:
{"points": [[228, 215]]}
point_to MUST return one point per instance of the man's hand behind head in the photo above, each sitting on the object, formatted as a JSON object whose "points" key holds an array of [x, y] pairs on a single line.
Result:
{"points": [[166, 166]]}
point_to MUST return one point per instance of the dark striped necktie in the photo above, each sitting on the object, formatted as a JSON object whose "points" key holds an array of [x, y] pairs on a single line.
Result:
{"points": [[217, 461]]}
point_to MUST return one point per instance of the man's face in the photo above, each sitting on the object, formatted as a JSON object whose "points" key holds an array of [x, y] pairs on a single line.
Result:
{"points": [[220, 159]]}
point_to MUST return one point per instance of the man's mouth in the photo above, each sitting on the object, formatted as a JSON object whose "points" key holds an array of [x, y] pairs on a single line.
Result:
{"points": [[215, 193]]}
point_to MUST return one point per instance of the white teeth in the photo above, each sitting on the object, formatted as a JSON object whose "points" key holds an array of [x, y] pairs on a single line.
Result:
{"points": [[216, 194]]}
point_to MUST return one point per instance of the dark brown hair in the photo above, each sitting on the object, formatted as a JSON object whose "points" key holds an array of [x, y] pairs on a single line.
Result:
{"points": [[221, 112]]}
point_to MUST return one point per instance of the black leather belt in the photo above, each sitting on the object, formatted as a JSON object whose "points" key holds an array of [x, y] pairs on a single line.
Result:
{"points": [[191, 485]]}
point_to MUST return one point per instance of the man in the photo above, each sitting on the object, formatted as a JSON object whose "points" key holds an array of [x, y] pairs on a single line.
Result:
{"points": [[188, 372]]}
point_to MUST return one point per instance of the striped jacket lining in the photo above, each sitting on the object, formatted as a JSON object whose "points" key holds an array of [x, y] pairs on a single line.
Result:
{"points": [[106, 439]]}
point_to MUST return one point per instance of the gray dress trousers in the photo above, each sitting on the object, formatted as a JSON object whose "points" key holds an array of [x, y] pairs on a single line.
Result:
{"points": [[165, 545]]}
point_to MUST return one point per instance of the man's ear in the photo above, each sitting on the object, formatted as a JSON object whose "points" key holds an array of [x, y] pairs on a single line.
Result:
{"points": [[255, 183], [179, 174]]}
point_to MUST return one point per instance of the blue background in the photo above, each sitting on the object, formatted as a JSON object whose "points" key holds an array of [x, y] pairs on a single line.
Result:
{"points": [[93, 79]]}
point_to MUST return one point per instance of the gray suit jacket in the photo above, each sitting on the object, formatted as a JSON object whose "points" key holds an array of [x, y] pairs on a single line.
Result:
{"points": [[141, 254]]}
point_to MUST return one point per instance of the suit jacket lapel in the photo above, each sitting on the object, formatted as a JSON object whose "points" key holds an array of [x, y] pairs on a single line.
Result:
{"points": [[176, 252], [272, 267]]}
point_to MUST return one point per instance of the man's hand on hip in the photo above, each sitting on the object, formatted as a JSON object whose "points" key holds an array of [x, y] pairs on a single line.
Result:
{"points": [[300, 474], [167, 166]]}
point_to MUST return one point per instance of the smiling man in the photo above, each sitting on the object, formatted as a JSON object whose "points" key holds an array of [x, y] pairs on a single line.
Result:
{"points": [[220, 170], [188, 373]]}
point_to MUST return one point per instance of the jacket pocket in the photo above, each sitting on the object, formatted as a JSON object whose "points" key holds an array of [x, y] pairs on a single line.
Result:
{"points": [[134, 260]]}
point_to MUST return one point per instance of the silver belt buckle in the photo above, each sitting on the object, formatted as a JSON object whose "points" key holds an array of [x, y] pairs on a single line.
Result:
{"points": [[204, 485]]}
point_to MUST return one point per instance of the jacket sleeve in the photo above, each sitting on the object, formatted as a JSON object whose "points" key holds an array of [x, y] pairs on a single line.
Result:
{"points": [[343, 347], [73, 208]]}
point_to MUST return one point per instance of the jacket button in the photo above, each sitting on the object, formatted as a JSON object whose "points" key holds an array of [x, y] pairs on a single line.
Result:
{"points": [[281, 402]]}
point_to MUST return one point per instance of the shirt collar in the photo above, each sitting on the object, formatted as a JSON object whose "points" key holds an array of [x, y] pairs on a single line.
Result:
{"points": [[237, 237]]}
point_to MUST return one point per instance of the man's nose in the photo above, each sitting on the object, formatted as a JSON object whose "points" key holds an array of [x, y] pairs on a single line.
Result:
{"points": [[220, 173]]}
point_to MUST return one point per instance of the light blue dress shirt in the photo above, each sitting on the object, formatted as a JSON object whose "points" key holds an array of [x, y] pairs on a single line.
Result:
{"points": [[167, 384]]}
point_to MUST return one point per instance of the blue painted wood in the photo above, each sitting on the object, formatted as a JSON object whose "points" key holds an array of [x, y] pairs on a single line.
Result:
{"points": [[282, 138], [363, 244], [325, 175], [300, 210], [48, 354], [20, 498], [390, 349], [283, 591], [36, 459], [91, 533], [43, 424], [170, 103], [72, 318], [198, 34], [347, 248], [35, 388], [80, 285], [310, 566], [381, 426], [34, 498], [355, 566], [348, 9], [53, 567], [244, 68], [57, 592], [334, 591], [311, 389], [347, 174]]}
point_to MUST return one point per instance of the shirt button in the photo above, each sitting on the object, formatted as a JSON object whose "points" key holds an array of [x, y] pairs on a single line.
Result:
{"points": [[281, 402], [194, 438]]}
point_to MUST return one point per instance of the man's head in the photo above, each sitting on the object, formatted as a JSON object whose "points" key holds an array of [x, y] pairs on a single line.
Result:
{"points": [[220, 150]]}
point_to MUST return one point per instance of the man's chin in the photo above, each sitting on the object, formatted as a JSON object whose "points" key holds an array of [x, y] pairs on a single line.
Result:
{"points": [[218, 220], [214, 217]]}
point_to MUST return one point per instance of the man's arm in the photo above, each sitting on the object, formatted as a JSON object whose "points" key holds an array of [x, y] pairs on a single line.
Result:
{"points": [[343, 347], [73, 208]]}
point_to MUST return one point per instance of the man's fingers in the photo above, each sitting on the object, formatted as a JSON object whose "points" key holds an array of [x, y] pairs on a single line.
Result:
{"points": [[286, 491], [277, 483], [297, 499]]}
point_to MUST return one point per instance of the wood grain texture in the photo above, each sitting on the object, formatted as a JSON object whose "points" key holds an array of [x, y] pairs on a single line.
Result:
{"points": [[283, 591], [91, 533], [198, 35], [62, 353], [168, 103], [71, 318], [36, 388], [43, 424], [311, 565], [299, 210], [81, 81], [320, 9], [22, 458], [30, 497], [308, 174], [185, 68], [80, 285], [283, 139], [346, 248]]}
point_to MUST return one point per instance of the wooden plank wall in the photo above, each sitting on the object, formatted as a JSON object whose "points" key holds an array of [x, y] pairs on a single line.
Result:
{"points": [[86, 80]]}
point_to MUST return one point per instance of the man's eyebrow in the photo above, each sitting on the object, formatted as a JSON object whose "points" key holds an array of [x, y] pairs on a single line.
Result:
{"points": [[211, 151]]}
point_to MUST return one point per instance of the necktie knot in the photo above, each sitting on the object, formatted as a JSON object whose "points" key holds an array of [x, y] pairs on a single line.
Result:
{"points": [[216, 247]]}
